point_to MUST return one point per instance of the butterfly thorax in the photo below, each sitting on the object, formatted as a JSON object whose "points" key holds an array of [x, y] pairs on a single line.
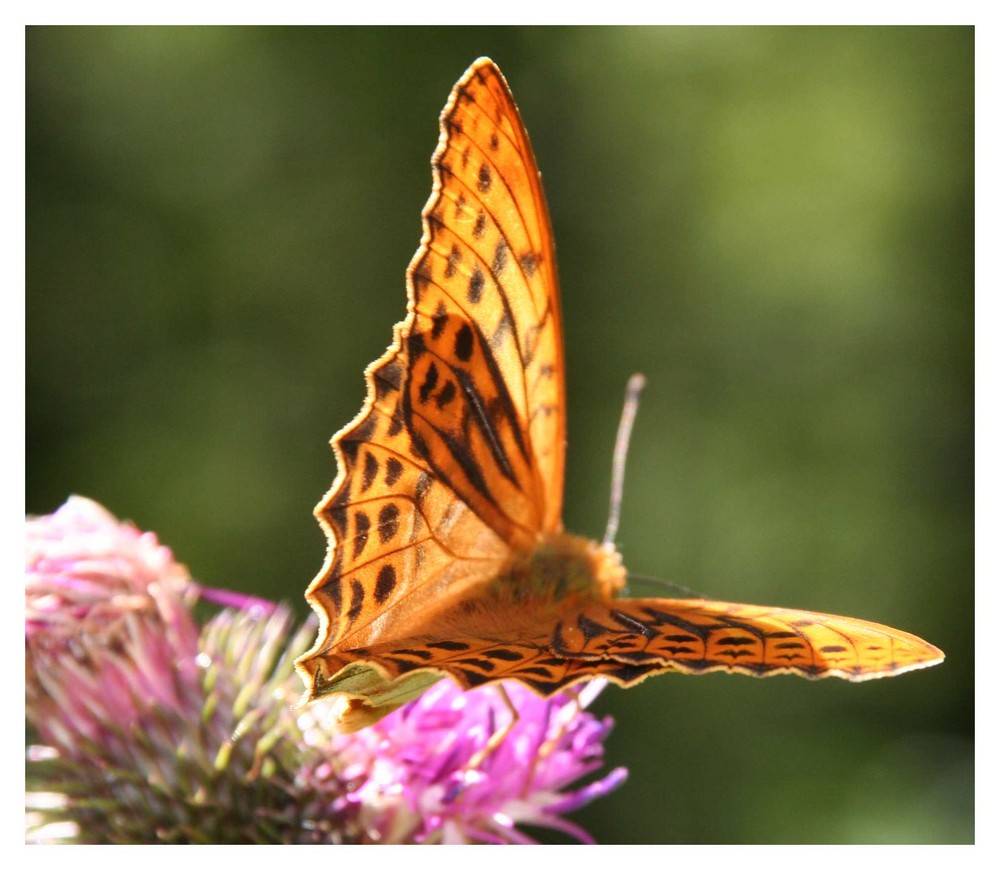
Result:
{"points": [[561, 566], [562, 572]]}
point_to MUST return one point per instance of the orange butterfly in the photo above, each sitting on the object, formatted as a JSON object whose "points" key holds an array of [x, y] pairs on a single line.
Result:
{"points": [[447, 555]]}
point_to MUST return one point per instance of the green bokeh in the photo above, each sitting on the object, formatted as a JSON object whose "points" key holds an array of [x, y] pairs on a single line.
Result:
{"points": [[775, 225]]}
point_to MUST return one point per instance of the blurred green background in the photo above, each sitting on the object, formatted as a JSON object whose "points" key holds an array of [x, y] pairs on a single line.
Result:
{"points": [[773, 224]]}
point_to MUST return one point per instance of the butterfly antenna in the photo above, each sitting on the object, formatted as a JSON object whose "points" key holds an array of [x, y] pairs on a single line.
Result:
{"points": [[629, 409], [675, 589]]}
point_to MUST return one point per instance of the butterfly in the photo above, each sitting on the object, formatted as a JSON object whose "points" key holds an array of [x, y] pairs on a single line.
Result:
{"points": [[447, 554]]}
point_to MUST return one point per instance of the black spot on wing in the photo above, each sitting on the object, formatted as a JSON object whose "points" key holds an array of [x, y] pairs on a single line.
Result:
{"points": [[439, 320], [393, 471], [424, 484], [370, 472], [384, 583], [362, 525], [481, 664], [476, 283], [544, 687], [449, 645], [472, 678], [430, 382], [550, 661], [454, 258], [464, 342], [736, 641], [499, 259], [416, 345], [388, 522], [504, 655], [357, 600], [485, 179], [446, 395]]}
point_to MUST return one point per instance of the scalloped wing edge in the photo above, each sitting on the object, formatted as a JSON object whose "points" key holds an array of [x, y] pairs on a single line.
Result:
{"points": [[305, 664]]}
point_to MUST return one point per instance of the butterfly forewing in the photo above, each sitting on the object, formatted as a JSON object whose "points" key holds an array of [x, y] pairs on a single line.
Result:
{"points": [[486, 395], [699, 635], [456, 458]]}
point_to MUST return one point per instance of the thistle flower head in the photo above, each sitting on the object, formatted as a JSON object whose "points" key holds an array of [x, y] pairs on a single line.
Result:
{"points": [[150, 730], [427, 772], [108, 629]]}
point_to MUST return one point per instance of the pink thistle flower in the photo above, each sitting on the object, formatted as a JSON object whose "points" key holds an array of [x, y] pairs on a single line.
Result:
{"points": [[153, 731], [108, 629], [412, 776]]}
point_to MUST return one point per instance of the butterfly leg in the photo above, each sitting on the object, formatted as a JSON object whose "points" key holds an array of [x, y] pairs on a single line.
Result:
{"points": [[498, 736], [566, 715]]}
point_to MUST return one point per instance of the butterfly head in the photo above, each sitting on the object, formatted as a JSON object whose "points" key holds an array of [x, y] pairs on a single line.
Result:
{"points": [[606, 569]]}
